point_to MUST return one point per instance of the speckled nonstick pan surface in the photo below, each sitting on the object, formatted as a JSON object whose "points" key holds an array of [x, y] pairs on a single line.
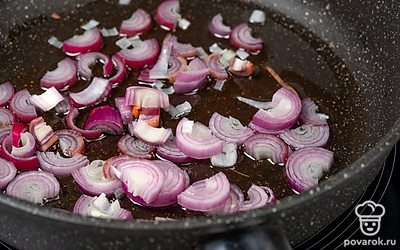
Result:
{"points": [[342, 54]]}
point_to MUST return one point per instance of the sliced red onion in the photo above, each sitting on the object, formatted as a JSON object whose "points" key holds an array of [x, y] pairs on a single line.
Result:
{"points": [[260, 130], [58, 165], [264, 146], [217, 71], [6, 92], [227, 56], [180, 110], [85, 61], [63, 107], [106, 119], [206, 195], [160, 69], [54, 41], [151, 135], [124, 110], [259, 196], [229, 129], [70, 142], [306, 166], [91, 181], [27, 148], [135, 148], [94, 93], [255, 103], [145, 53], [240, 67], [144, 77], [61, 77], [90, 40], [139, 22], [218, 28], [184, 23], [196, 140], [180, 49], [7, 173], [21, 107], [176, 64], [6, 117], [89, 134], [241, 38], [170, 151], [119, 65], [142, 178], [4, 131], [309, 115], [34, 186], [151, 120], [168, 14], [306, 136], [22, 164], [90, 25], [43, 134], [201, 52], [48, 100], [235, 200], [146, 97], [242, 54], [283, 115], [174, 184], [193, 78], [100, 207], [111, 163], [109, 32], [227, 158], [17, 129]]}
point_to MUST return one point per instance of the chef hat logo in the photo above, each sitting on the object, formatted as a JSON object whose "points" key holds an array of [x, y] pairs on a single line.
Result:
{"points": [[369, 214]]}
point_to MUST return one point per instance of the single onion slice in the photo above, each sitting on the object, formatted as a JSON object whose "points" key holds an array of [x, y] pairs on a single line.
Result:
{"points": [[85, 61], [196, 140], [91, 181], [34, 186], [7, 173], [70, 142], [193, 78], [174, 184], [88, 134], [218, 28], [206, 195], [283, 115], [160, 69], [61, 77], [124, 110], [227, 158], [151, 135], [90, 40], [27, 148], [6, 117], [145, 53], [180, 49], [48, 100], [134, 148], [235, 200], [146, 97], [170, 151], [306, 136], [43, 134], [94, 93], [63, 107], [306, 166], [22, 164], [119, 65], [176, 64], [111, 163], [139, 22], [240, 67], [142, 178], [167, 14], [58, 165], [229, 129], [4, 131], [264, 146], [21, 107], [106, 119], [6, 92], [259, 196], [217, 71], [241, 38], [309, 115], [17, 129], [100, 207]]}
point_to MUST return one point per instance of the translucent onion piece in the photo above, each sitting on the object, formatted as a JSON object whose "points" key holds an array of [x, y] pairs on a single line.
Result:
{"points": [[160, 69], [48, 100], [151, 135], [146, 97], [240, 67], [227, 158]]}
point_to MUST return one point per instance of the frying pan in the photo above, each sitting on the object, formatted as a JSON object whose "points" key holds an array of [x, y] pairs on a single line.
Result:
{"points": [[358, 39]]}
